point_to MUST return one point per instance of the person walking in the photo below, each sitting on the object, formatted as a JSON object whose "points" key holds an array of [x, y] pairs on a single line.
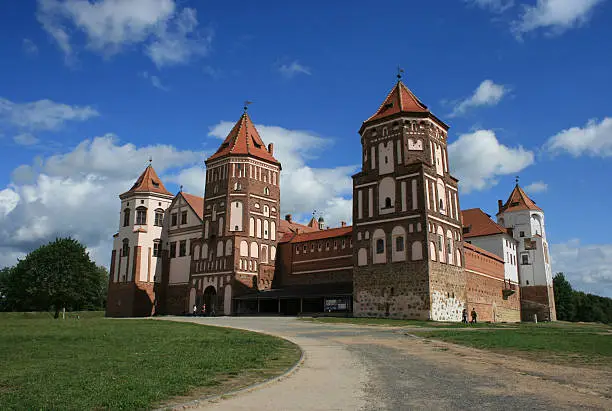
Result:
{"points": [[474, 315], [203, 310], [195, 310], [464, 316]]}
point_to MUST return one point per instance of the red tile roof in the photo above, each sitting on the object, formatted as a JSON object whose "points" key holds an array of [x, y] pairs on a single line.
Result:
{"points": [[399, 100], [196, 203], [286, 230], [479, 250], [322, 234], [244, 139], [479, 224], [148, 182], [518, 200]]}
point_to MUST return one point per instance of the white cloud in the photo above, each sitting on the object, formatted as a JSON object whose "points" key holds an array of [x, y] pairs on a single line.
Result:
{"points": [[76, 194], [497, 6], [556, 16], [537, 187], [486, 94], [478, 158], [155, 81], [42, 114], [170, 35], [290, 70], [587, 267], [305, 188], [29, 47], [25, 139], [594, 139]]}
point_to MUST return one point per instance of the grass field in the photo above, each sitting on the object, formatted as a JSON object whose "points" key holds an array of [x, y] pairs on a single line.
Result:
{"points": [[98, 363]]}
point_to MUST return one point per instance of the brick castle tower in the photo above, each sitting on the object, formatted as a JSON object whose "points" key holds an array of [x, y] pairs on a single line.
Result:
{"points": [[525, 220], [242, 204], [407, 236]]}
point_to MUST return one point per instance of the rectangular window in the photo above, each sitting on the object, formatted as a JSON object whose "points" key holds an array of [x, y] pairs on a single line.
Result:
{"points": [[184, 217], [440, 242], [172, 250], [524, 259], [156, 252], [522, 234], [183, 248], [159, 218], [174, 219], [126, 218], [343, 243], [380, 246], [141, 216], [399, 244], [305, 248]]}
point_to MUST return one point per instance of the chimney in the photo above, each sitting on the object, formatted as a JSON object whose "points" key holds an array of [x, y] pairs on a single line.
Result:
{"points": [[343, 223], [288, 218], [271, 149], [500, 205]]}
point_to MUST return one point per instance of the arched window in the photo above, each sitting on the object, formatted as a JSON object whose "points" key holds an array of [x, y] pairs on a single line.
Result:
{"points": [[220, 249], [204, 251], [126, 217], [264, 253], [362, 257], [252, 227], [141, 216], [244, 249], [221, 226], [398, 236], [272, 252], [432, 251], [125, 248], [196, 252], [229, 247], [254, 250], [417, 251], [266, 211], [272, 230], [380, 246], [386, 195], [159, 217], [267, 191]]}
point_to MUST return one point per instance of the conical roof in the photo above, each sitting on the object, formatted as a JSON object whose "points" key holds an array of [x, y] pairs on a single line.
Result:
{"points": [[401, 100], [148, 182], [518, 200], [244, 139]]}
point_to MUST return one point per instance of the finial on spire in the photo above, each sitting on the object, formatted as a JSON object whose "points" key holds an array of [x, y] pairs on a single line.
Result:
{"points": [[516, 179], [246, 105], [181, 189], [399, 73], [150, 159]]}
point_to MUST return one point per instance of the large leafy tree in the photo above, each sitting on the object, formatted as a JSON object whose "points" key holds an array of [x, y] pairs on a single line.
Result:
{"points": [[564, 298], [55, 276]]}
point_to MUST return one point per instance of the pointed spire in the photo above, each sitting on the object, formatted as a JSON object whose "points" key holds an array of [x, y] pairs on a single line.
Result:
{"points": [[399, 100], [148, 182], [518, 200], [244, 139]]}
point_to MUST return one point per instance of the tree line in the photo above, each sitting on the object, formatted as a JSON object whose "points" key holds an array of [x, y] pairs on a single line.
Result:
{"points": [[576, 306], [56, 276]]}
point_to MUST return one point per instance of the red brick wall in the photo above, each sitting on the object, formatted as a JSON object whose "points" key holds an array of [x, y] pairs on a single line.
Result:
{"points": [[538, 300]]}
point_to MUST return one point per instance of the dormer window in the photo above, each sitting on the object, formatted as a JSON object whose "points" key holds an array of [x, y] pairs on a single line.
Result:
{"points": [[155, 183]]}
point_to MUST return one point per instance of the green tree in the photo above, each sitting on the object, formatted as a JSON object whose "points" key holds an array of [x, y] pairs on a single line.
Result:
{"points": [[56, 276], [564, 298]]}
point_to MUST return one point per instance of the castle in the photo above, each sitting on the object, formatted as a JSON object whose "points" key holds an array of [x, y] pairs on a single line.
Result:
{"points": [[410, 253]]}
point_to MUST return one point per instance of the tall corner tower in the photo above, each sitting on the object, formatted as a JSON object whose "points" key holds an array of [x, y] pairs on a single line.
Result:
{"points": [[241, 216], [408, 252], [526, 220], [137, 259]]}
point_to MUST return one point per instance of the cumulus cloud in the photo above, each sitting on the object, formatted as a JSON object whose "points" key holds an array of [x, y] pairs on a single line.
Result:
{"points": [[76, 194], [293, 69], [594, 139], [486, 94], [478, 158], [42, 114], [169, 34], [537, 187], [556, 16], [587, 267], [305, 188]]}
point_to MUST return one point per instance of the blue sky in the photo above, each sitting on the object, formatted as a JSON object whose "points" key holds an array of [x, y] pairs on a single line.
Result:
{"points": [[89, 90]]}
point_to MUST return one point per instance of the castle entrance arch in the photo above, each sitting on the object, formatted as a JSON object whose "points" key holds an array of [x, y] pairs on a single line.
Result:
{"points": [[210, 299]]}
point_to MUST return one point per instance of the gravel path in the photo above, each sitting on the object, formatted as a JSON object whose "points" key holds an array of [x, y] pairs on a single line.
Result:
{"points": [[349, 367]]}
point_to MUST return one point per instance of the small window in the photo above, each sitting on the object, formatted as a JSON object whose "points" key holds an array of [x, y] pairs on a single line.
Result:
{"points": [[305, 248], [159, 217], [522, 234], [172, 250], [174, 219], [387, 202], [155, 183], [126, 217], [440, 242], [141, 216], [183, 248], [126, 248], [312, 246], [399, 243], [525, 259], [441, 204], [448, 248], [236, 228], [184, 217], [380, 246], [156, 251], [267, 191], [386, 160]]}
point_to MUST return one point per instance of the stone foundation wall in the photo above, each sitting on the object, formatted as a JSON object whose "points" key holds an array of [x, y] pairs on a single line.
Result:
{"points": [[538, 300], [486, 296], [447, 285], [393, 290], [177, 298]]}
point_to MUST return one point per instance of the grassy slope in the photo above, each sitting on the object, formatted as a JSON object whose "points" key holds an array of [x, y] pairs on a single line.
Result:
{"points": [[125, 364]]}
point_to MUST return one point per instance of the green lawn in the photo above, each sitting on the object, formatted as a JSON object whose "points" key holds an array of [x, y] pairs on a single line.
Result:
{"points": [[98, 363], [573, 344]]}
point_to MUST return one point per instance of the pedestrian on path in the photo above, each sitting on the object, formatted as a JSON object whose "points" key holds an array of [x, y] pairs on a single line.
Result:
{"points": [[464, 316], [474, 315]]}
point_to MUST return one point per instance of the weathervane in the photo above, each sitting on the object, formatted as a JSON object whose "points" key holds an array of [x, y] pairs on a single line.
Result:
{"points": [[246, 105], [181, 189], [516, 179], [399, 73], [150, 159]]}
